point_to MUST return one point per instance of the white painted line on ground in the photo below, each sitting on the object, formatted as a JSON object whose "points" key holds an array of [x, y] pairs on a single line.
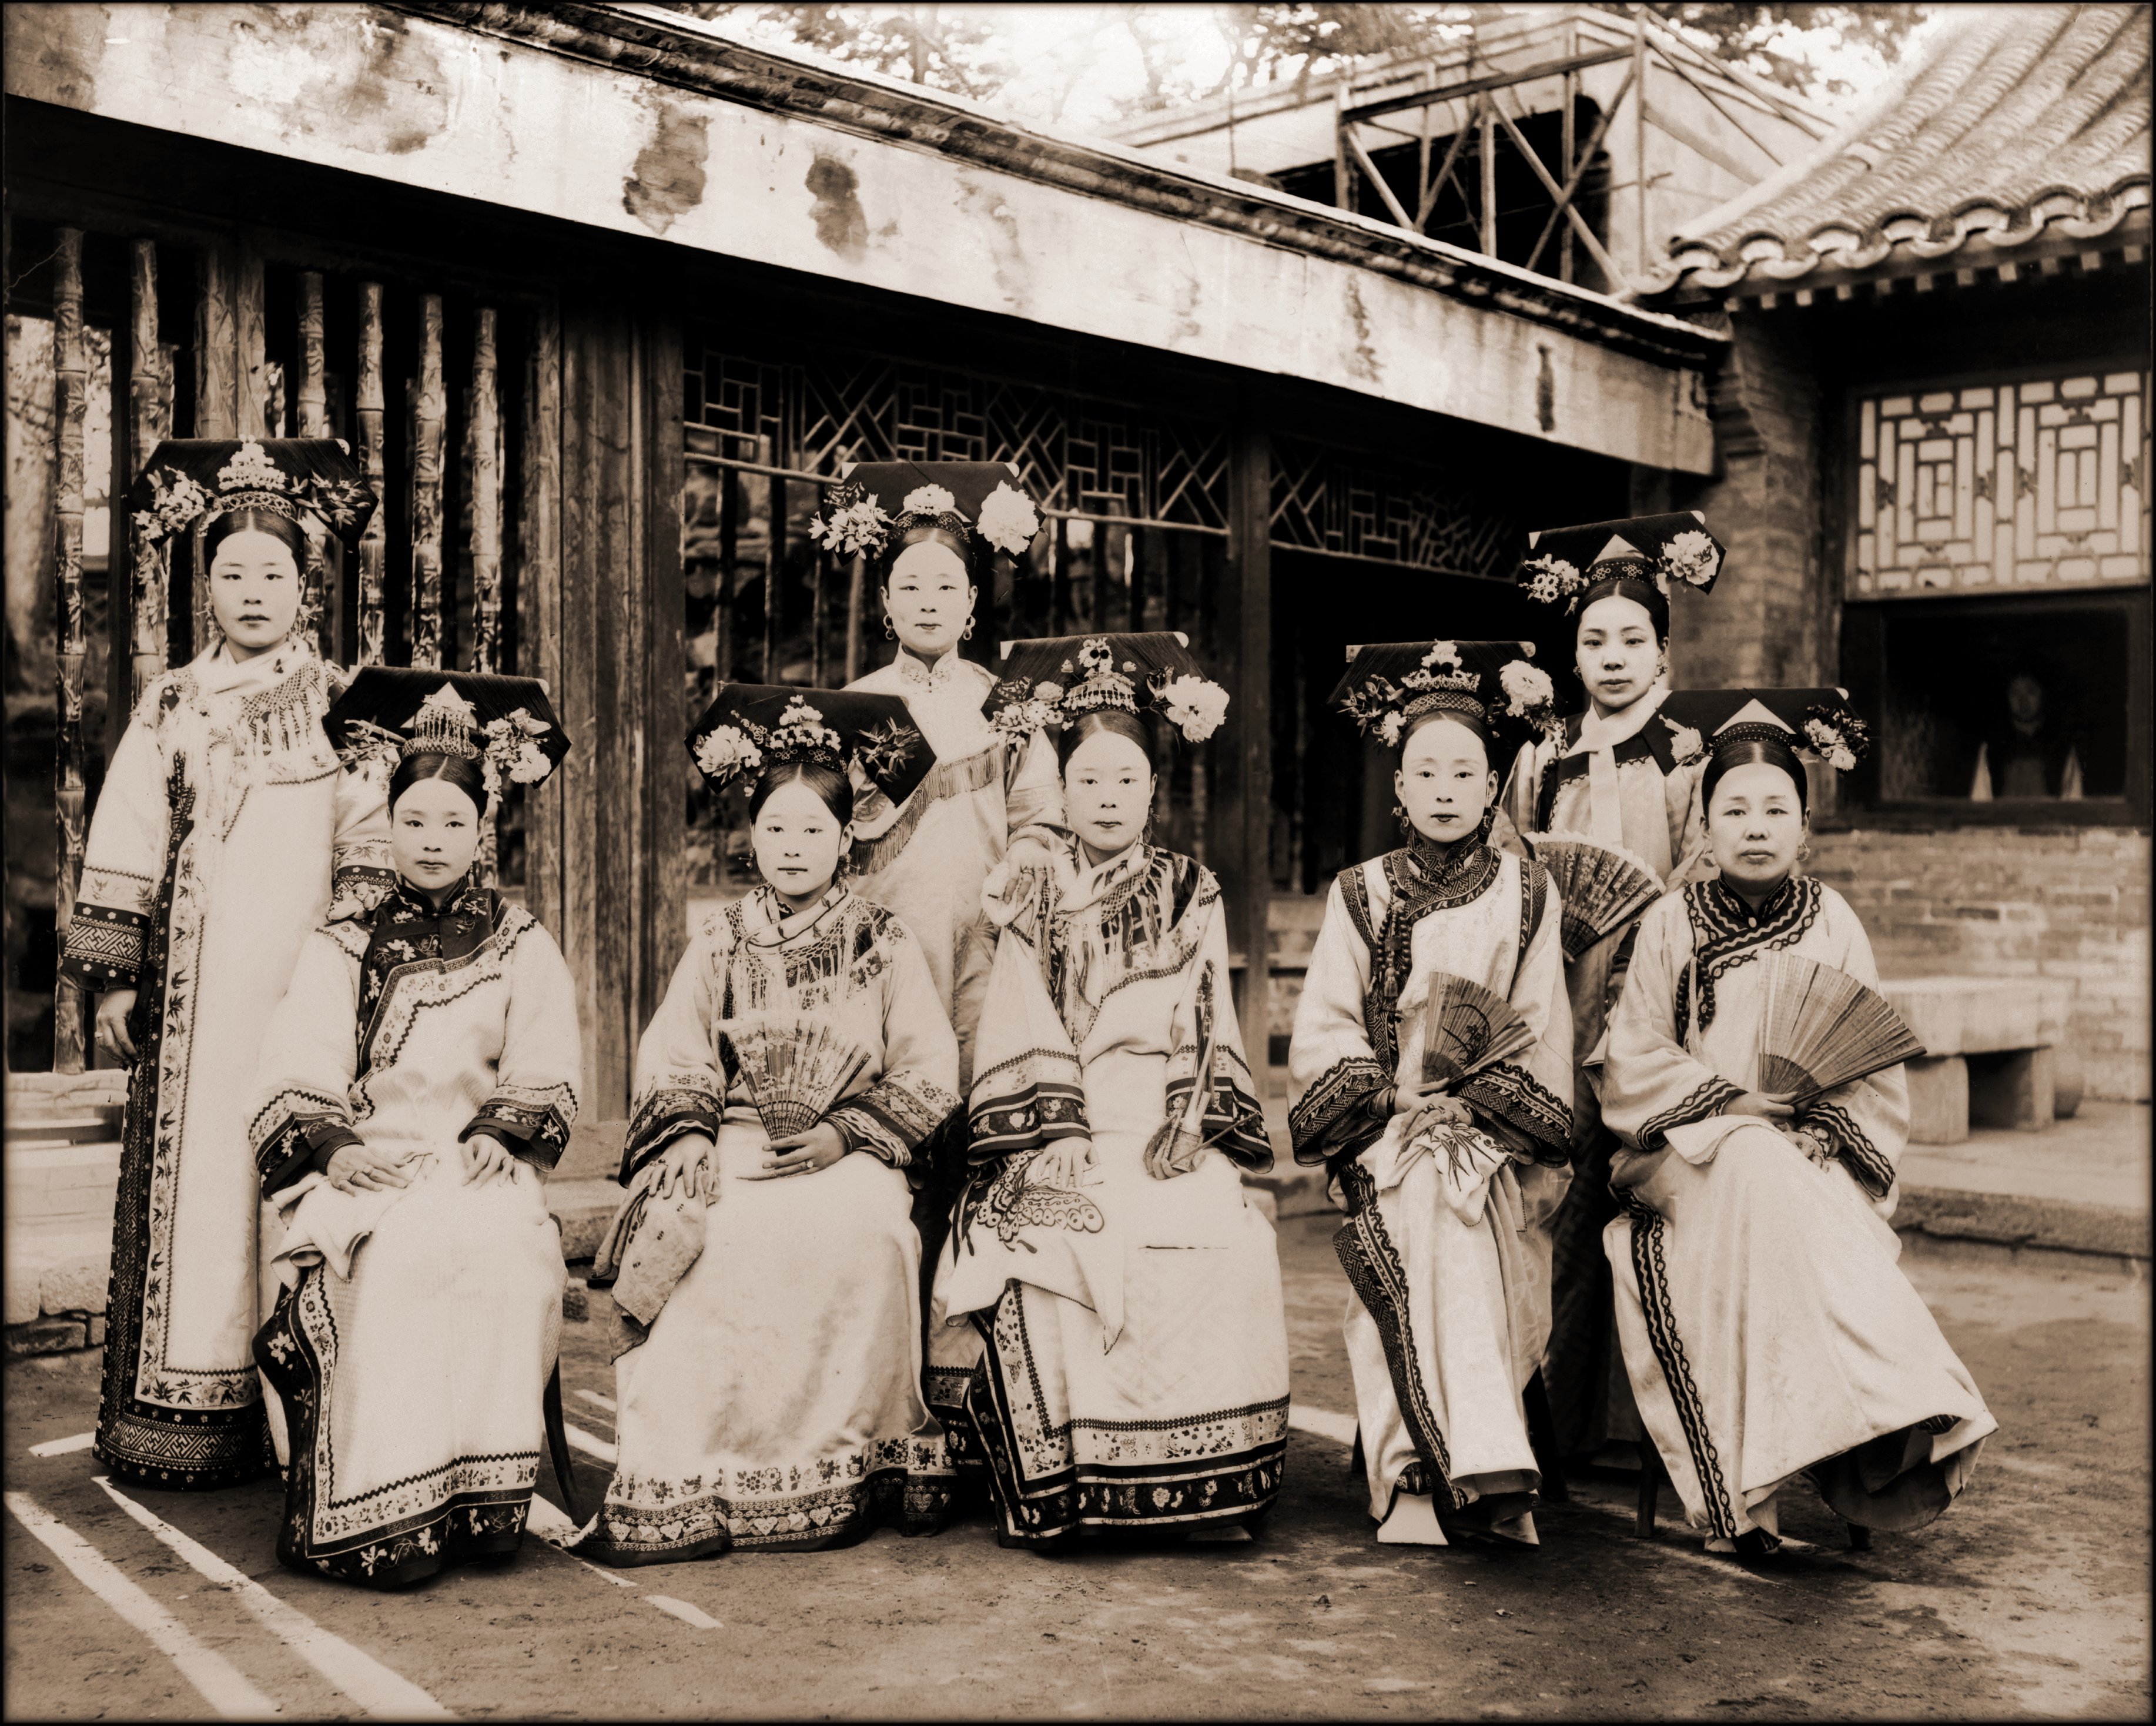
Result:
{"points": [[598, 1400], [551, 1524], [683, 1611], [363, 1677], [589, 1443], [1321, 1422], [64, 1446], [217, 1680]]}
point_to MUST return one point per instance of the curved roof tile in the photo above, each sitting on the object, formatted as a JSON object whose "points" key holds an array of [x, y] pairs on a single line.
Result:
{"points": [[2019, 119]]}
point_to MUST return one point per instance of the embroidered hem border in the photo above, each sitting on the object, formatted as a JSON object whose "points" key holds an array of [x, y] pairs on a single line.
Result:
{"points": [[915, 1500], [1650, 1269]]}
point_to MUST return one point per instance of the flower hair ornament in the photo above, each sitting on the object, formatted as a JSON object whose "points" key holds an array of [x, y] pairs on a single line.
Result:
{"points": [[1049, 682], [1565, 564], [187, 481], [1388, 685], [883, 506], [751, 728], [504, 724], [1817, 722]]}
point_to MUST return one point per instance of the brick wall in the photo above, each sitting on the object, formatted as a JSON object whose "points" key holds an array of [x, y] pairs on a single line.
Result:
{"points": [[2070, 903]]}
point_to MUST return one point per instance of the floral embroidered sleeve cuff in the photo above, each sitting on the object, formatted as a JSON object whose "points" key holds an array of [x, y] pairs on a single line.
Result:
{"points": [[303, 1143], [1511, 1096], [891, 1119], [1344, 1110], [664, 1115], [106, 948], [537, 1133]]}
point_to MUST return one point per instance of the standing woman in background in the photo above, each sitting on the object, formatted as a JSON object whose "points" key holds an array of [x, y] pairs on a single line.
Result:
{"points": [[222, 833], [1431, 1068], [1608, 805], [931, 530]]}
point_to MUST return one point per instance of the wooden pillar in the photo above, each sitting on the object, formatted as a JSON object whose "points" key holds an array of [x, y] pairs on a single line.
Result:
{"points": [[71, 403], [430, 412], [250, 335], [1487, 148], [149, 423], [368, 407], [856, 583], [1241, 817], [621, 687], [539, 602], [485, 435], [311, 396]]}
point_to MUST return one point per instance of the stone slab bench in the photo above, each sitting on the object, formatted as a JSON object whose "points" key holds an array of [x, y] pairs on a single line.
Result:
{"points": [[1995, 1054]]}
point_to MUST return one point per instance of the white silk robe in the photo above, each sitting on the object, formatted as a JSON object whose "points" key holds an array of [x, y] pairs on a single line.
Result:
{"points": [[1450, 1308], [1768, 1329], [223, 821]]}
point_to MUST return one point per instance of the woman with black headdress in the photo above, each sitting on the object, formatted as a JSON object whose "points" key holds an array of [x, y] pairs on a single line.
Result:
{"points": [[1767, 1331], [417, 1084], [767, 1271], [1431, 1066], [222, 833], [1607, 802], [1107, 1338]]}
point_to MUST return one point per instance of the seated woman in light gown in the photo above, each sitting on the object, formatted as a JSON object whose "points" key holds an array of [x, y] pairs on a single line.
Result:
{"points": [[1108, 1337], [764, 1262], [415, 1086], [1447, 1148], [1768, 1330]]}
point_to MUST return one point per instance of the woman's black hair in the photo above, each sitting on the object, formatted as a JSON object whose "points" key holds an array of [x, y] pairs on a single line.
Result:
{"points": [[1475, 722], [1744, 753], [1149, 733], [1640, 592], [281, 528], [831, 786], [921, 531], [464, 773]]}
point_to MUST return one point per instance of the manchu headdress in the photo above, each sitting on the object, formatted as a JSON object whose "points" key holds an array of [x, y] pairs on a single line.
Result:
{"points": [[887, 508], [505, 724], [1727, 727], [1570, 567], [751, 728], [188, 481], [1047, 682], [1390, 685]]}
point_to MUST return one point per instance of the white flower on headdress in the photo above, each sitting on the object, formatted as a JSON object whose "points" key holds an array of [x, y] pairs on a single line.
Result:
{"points": [[1828, 740], [180, 503], [929, 500], [1195, 705], [1007, 520], [1552, 580], [1021, 719], [1691, 557], [858, 527], [1049, 692], [1390, 726], [529, 765], [1442, 653], [724, 751], [1527, 690], [801, 726]]}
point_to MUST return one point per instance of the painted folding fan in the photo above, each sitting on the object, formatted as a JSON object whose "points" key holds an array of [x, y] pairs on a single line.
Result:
{"points": [[794, 1068], [1465, 1028], [1603, 887], [1821, 1028]]}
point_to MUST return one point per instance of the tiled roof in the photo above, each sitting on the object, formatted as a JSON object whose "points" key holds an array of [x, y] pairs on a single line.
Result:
{"points": [[2020, 121]]}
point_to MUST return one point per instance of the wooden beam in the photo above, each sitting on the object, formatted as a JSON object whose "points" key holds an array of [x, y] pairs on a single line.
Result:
{"points": [[1581, 163], [1550, 185], [369, 406], [1568, 148], [1495, 80], [1393, 205], [539, 600], [71, 406], [150, 423], [1431, 190], [429, 406], [1486, 144], [1638, 82], [1715, 102], [1701, 145], [250, 331], [484, 435]]}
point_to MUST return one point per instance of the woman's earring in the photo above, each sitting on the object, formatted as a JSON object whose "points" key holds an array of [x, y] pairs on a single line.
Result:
{"points": [[890, 633], [966, 634], [1804, 851]]}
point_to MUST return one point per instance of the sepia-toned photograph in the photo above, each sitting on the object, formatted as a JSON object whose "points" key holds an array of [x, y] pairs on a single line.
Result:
{"points": [[1187, 861]]}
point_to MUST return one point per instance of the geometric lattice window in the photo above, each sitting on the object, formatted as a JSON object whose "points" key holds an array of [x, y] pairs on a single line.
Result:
{"points": [[2036, 485]]}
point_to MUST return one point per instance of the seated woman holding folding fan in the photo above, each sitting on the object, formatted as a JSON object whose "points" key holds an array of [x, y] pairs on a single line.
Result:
{"points": [[415, 1085], [1432, 1066], [1754, 1075], [764, 1265], [1607, 802], [1108, 1337]]}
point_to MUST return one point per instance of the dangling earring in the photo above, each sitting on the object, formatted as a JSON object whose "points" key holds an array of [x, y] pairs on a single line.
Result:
{"points": [[1804, 851], [890, 633], [966, 634], [1400, 821]]}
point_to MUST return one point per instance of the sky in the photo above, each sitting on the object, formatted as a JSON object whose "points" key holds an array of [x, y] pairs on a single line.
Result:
{"points": [[1082, 58]]}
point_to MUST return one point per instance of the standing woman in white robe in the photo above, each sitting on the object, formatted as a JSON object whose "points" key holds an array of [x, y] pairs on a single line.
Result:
{"points": [[1448, 1311], [417, 1084], [1768, 1330], [1622, 776], [1108, 1338], [768, 1377], [223, 830]]}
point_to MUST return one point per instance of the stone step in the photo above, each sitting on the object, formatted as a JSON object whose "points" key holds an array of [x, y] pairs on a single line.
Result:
{"points": [[583, 1208], [75, 1127], [62, 1179]]}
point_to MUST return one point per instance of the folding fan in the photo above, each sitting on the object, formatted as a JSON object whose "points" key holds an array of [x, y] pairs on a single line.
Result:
{"points": [[1603, 887], [1465, 1028], [794, 1068], [1821, 1028]]}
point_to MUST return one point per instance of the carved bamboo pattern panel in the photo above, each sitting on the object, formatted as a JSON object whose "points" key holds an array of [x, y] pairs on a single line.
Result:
{"points": [[71, 404], [2033, 484], [430, 409]]}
